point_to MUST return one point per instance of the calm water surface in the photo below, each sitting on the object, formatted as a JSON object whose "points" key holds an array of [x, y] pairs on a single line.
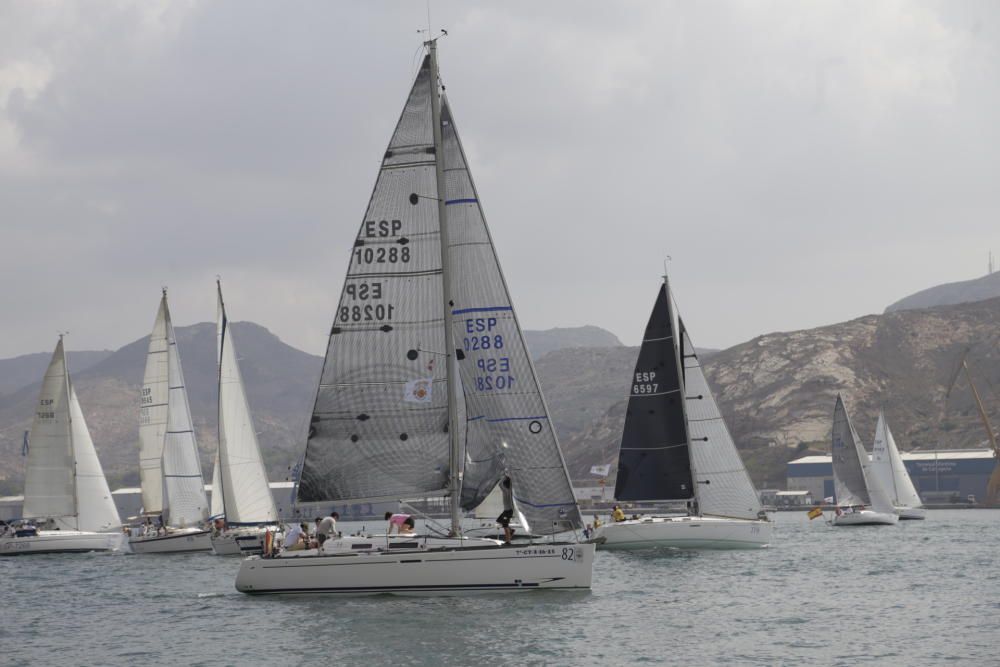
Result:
{"points": [[920, 593]]}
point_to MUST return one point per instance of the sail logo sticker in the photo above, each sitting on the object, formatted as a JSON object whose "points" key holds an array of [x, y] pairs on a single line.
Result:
{"points": [[418, 391]]}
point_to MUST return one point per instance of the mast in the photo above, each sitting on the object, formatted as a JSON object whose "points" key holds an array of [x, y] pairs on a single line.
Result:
{"points": [[678, 344], [69, 426], [455, 458], [222, 324]]}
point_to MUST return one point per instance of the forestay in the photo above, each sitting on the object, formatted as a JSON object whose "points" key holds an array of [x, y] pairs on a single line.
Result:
{"points": [[153, 414], [183, 488], [508, 425], [96, 509], [49, 489], [724, 487], [654, 461], [889, 470], [242, 476], [379, 424]]}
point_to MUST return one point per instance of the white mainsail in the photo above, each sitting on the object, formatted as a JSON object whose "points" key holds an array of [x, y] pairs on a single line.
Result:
{"points": [[888, 469], [96, 509], [217, 509], [723, 486], [49, 481], [184, 502], [242, 475], [153, 413]]}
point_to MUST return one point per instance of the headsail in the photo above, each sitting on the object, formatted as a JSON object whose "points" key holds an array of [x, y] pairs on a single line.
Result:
{"points": [[184, 502], [96, 509], [243, 478], [654, 461], [724, 487], [379, 424], [508, 425], [49, 486], [889, 470], [153, 414]]}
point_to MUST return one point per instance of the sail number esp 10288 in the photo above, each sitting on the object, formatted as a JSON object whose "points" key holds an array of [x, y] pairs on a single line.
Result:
{"points": [[492, 372], [365, 312]]}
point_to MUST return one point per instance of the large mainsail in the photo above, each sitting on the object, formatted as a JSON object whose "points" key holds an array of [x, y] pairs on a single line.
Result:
{"points": [[724, 487], [153, 413], [242, 476], [96, 509], [49, 481], [888, 469], [848, 474], [379, 424], [508, 425], [654, 461], [184, 502]]}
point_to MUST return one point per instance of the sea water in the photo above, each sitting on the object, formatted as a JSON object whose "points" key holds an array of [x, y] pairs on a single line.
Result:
{"points": [[919, 593]]}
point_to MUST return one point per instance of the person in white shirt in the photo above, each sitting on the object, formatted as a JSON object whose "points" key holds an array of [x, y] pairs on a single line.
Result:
{"points": [[297, 537], [327, 528]]}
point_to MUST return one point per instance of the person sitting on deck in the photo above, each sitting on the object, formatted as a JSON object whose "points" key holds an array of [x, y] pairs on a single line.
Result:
{"points": [[297, 538], [617, 514], [401, 522], [508, 509]]}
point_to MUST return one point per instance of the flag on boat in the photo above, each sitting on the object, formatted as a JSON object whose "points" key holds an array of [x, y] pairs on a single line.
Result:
{"points": [[828, 500], [815, 512], [24, 445], [601, 471], [418, 391]]}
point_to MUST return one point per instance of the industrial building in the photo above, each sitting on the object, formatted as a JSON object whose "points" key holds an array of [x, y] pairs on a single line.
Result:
{"points": [[942, 477]]}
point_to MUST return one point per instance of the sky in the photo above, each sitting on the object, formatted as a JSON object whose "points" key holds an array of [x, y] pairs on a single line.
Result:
{"points": [[799, 163]]}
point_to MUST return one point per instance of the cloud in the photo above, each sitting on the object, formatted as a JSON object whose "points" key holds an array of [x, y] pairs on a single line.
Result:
{"points": [[801, 164]]}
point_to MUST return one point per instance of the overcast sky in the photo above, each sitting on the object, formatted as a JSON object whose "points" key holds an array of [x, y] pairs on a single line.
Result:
{"points": [[802, 163]]}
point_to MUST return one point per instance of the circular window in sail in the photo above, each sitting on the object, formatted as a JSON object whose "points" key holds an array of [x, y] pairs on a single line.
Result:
{"points": [[535, 427]]}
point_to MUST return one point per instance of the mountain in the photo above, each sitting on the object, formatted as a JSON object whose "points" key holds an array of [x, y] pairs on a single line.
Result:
{"points": [[26, 369], [966, 291], [541, 343]]}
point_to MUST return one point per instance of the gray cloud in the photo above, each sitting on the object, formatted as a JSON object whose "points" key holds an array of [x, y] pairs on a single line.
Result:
{"points": [[802, 164]]}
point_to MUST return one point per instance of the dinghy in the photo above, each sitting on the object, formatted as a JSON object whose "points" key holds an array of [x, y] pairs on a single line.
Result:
{"points": [[67, 504], [427, 390], [173, 493], [676, 447], [889, 471]]}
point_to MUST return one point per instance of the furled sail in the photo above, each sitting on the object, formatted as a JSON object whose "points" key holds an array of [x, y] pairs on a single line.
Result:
{"points": [[243, 478], [508, 425], [654, 461], [96, 509], [724, 487], [184, 502], [153, 414], [379, 424], [889, 470], [49, 486]]}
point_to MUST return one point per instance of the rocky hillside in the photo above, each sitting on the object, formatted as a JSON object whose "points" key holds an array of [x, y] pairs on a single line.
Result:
{"points": [[541, 343], [966, 291]]}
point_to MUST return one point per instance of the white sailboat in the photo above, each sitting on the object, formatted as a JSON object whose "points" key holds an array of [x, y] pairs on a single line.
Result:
{"points": [[241, 498], [173, 493], [676, 447], [861, 500], [67, 504], [428, 390], [890, 472]]}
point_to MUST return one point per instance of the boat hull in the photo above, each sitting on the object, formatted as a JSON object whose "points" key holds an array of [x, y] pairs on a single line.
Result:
{"points": [[430, 571], [685, 532], [865, 518], [911, 513], [61, 541], [241, 541], [182, 540]]}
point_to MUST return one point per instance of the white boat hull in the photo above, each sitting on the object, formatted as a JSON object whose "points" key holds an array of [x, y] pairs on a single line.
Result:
{"points": [[911, 513], [413, 566], [241, 541], [685, 532], [180, 540], [61, 541], [865, 518]]}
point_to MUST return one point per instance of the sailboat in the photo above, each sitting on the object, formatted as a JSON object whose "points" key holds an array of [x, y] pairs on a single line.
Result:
{"points": [[173, 493], [427, 390], [67, 504], [676, 448], [889, 471], [861, 500], [242, 503]]}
